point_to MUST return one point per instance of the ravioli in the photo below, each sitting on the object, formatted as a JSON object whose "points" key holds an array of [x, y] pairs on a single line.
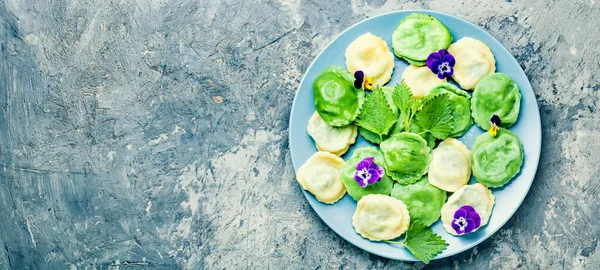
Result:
{"points": [[474, 60], [477, 196], [496, 94], [424, 201], [417, 36], [420, 80], [335, 140], [450, 167], [380, 217], [406, 156], [496, 160], [372, 55], [321, 176], [336, 100], [461, 107], [383, 186]]}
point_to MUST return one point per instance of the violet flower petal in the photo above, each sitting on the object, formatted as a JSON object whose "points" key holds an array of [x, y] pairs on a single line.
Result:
{"points": [[448, 58], [461, 212], [363, 164], [470, 225], [359, 177], [457, 228], [359, 77], [374, 177], [431, 58]]}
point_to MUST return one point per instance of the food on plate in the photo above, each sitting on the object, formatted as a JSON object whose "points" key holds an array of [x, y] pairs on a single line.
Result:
{"points": [[461, 107], [406, 157], [380, 217], [321, 176], [496, 160], [335, 140], [370, 54], [418, 35], [376, 114], [496, 94], [450, 167], [468, 209], [420, 80], [424, 201], [353, 174], [474, 60], [336, 99]]}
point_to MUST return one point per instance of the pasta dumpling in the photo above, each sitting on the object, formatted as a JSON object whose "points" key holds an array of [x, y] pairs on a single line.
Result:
{"points": [[474, 60], [461, 107], [380, 217], [335, 140], [496, 94], [370, 54], [478, 198], [450, 167], [336, 99], [496, 160], [418, 35], [420, 80], [383, 186], [424, 201], [320, 175], [406, 156]]}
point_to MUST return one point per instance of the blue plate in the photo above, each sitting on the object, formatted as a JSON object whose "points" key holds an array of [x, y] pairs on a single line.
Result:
{"points": [[338, 216]]}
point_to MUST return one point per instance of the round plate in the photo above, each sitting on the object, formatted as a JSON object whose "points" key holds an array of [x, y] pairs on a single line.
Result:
{"points": [[338, 216]]}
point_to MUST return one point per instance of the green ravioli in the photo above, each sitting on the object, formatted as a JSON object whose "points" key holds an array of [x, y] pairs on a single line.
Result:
{"points": [[424, 201], [496, 160], [417, 36], [336, 99], [406, 156], [461, 107], [383, 186], [496, 94]]}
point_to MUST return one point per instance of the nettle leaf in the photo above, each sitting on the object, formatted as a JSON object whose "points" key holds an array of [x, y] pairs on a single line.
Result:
{"points": [[423, 243], [436, 117], [376, 115]]}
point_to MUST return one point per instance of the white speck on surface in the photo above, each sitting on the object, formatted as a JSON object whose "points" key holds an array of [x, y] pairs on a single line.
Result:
{"points": [[573, 51], [161, 137], [178, 130], [111, 155], [129, 147], [30, 233], [149, 206]]}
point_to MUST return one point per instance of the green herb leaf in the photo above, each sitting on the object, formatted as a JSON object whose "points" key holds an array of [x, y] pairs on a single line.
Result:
{"points": [[436, 116], [376, 115], [423, 243], [407, 105]]}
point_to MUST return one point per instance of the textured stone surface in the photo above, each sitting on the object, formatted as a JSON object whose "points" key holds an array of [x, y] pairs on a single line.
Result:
{"points": [[154, 133]]}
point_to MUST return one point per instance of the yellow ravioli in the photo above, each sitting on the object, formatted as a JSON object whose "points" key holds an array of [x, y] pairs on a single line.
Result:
{"points": [[321, 176]]}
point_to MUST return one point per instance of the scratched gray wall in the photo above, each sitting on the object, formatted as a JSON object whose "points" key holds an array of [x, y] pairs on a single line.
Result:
{"points": [[153, 133]]}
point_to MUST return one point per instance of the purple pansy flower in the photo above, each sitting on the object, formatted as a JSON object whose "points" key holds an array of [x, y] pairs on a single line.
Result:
{"points": [[359, 78], [367, 172], [441, 63], [465, 220]]}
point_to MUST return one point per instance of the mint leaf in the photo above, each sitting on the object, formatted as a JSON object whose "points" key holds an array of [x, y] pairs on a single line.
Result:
{"points": [[423, 243], [376, 115], [406, 103], [436, 116]]}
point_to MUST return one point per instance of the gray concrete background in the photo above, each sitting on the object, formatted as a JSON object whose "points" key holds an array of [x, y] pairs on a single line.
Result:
{"points": [[153, 133]]}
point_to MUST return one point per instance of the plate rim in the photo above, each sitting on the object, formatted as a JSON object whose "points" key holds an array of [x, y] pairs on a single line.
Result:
{"points": [[433, 12]]}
